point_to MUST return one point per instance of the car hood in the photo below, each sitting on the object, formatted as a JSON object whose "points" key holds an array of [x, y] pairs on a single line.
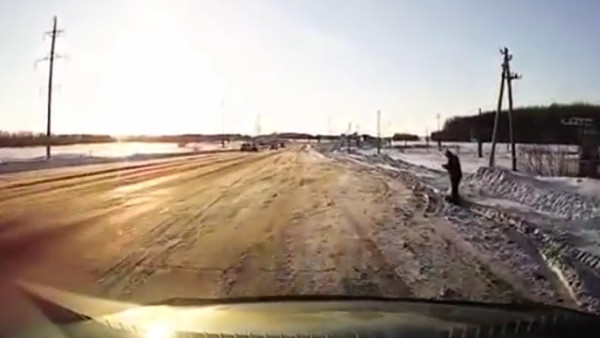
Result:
{"points": [[72, 315]]}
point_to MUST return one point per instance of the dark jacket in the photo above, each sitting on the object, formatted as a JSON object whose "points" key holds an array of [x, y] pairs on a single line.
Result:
{"points": [[453, 165]]}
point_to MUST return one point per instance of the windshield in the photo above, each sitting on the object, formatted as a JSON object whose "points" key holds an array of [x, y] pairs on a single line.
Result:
{"points": [[214, 149]]}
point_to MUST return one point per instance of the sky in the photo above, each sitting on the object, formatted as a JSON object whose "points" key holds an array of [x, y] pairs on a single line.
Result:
{"points": [[317, 66]]}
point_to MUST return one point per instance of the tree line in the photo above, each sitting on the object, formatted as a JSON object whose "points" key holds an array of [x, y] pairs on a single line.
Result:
{"points": [[535, 124], [31, 139]]}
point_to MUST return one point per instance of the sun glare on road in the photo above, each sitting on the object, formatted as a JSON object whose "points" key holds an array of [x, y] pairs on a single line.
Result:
{"points": [[159, 330]]}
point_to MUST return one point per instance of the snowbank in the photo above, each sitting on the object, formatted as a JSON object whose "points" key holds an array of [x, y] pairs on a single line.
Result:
{"points": [[579, 185], [541, 195], [560, 197]]}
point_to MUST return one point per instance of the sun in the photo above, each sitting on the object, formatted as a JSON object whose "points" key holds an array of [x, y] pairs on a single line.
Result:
{"points": [[159, 330]]}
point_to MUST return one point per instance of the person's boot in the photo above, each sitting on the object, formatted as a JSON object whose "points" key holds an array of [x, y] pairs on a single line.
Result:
{"points": [[454, 197]]}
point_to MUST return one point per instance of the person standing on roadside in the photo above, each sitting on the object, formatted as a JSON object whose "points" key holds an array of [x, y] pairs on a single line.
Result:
{"points": [[455, 172]]}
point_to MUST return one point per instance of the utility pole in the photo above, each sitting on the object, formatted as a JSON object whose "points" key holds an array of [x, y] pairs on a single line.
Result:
{"points": [[53, 34], [378, 132], [222, 123], [508, 77], [349, 135], [439, 133], [496, 119], [257, 127], [479, 135]]}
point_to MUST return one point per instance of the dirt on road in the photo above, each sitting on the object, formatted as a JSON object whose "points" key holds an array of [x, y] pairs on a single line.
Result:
{"points": [[291, 221]]}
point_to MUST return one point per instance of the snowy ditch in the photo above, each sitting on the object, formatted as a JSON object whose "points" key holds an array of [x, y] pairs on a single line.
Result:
{"points": [[522, 243], [577, 269]]}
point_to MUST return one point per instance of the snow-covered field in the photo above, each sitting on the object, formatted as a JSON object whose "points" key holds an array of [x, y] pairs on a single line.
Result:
{"points": [[531, 224], [32, 158], [431, 157], [116, 149]]}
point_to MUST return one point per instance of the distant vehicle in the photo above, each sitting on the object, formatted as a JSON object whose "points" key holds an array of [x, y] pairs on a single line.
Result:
{"points": [[249, 147], [274, 146]]}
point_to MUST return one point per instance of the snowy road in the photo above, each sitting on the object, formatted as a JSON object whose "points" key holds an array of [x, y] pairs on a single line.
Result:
{"points": [[291, 221]]}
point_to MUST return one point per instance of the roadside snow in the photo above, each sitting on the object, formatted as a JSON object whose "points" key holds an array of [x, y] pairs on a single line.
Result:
{"points": [[560, 197], [580, 185], [432, 158], [541, 229], [556, 205]]}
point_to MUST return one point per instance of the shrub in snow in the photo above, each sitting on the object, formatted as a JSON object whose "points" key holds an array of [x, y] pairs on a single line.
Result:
{"points": [[547, 160]]}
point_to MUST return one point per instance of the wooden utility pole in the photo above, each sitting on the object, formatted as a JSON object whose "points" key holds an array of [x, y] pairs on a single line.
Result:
{"points": [[479, 136], [496, 119], [507, 76], [53, 34], [439, 134], [257, 126], [349, 135], [378, 132], [222, 123]]}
